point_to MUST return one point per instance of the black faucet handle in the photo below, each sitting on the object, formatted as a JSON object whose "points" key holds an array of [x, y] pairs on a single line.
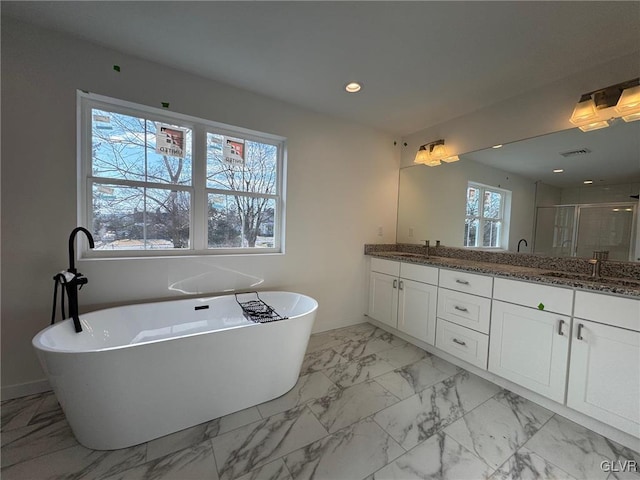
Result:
{"points": [[81, 280]]}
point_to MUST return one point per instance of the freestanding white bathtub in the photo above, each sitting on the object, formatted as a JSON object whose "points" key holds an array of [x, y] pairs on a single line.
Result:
{"points": [[139, 372]]}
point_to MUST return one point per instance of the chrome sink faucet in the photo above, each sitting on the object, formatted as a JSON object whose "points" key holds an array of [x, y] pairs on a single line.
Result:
{"points": [[426, 248], [599, 256]]}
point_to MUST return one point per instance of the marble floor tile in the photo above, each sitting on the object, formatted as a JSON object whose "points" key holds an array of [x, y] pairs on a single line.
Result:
{"points": [[319, 360], [403, 355], [415, 419], [242, 450], [275, 470], [323, 341], [351, 453], [573, 448], [622, 473], [363, 346], [76, 463], [194, 463], [411, 379], [350, 405], [18, 412], [192, 436], [32, 441], [49, 410], [526, 465], [359, 370], [309, 387], [438, 458], [495, 430]]}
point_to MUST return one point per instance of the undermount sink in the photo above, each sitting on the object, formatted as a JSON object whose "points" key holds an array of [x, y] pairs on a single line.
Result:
{"points": [[620, 282], [410, 255]]}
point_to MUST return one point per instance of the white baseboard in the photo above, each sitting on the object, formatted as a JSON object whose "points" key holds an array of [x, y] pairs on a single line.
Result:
{"points": [[23, 389]]}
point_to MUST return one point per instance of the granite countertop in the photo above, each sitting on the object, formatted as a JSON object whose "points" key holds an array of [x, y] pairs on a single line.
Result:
{"points": [[627, 287]]}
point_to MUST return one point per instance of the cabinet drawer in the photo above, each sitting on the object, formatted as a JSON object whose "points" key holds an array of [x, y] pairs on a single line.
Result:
{"points": [[554, 299], [385, 266], [419, 273], [463, 343], [616, 311], [467, 310], [466, 282]]}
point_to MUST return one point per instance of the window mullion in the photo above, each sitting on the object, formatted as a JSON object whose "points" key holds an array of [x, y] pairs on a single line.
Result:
{"points": [[199, 219]]}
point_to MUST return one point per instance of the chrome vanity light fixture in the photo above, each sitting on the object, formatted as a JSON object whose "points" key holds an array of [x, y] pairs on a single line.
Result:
{"points": [[431, 154], [595, 109]]}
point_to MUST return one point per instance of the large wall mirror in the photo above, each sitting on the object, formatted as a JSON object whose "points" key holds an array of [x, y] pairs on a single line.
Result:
{"points": [[547, 202]]}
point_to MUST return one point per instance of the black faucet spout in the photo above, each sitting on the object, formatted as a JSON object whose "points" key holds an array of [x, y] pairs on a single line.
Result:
{"points": [[72, 254], [525, 243], [78, 279]]}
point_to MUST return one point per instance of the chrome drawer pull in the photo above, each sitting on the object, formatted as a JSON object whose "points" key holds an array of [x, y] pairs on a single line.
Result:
{"points": [[401, 285], [395, 284], [560, 324], [459, 342], [580, 327], [463, 282], [461, 309]]}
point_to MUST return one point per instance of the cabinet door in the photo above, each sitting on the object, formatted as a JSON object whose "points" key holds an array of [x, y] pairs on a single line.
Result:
{"points": [[417, 310], [530, 347], [604, 374], [383, 298]]}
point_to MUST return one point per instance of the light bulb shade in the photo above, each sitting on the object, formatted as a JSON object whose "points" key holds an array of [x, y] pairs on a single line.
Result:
{"points": [[422, 157], [584, 112], [438, 152], [432, 163], [629, 102], [451, 159], [631, 117], [597, 125]]}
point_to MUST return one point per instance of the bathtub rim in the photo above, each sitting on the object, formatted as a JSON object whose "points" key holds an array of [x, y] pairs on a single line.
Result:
{"points": [[39, 346]]}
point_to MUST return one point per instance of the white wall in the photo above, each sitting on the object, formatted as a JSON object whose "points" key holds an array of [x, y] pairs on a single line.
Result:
{"points": [[432, 202], [342, 186]]}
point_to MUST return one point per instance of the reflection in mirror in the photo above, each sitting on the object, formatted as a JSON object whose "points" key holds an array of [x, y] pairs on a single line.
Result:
{"points": [[550, 205]]}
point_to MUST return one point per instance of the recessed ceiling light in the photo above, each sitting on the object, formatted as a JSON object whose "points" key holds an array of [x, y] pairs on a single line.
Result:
{"points": [[497, 146], [558, 170], [588, 182], [353, 87]]}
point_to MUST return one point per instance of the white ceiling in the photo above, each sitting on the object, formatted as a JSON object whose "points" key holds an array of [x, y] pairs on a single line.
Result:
{"points": [[421, 63]]}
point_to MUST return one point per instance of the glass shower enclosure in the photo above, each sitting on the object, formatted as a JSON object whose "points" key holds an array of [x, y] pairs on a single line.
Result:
{"points": [[579, 230]]}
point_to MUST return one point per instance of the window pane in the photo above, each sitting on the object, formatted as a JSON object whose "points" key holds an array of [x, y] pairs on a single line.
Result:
{"points": [[241, 165], [491, 233], [473, 195], [124, 147], [492, 205], [238, 221], [470, 232], [137, 218], [118, 145]]}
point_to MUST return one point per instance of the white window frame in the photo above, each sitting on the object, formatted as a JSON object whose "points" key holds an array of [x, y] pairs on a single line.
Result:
{"points": [[198, 231], [505, 210]]}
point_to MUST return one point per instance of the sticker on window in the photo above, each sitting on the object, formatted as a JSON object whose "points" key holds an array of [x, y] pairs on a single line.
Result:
{"points": [[170, 141], [234, 151], [102, 122]]}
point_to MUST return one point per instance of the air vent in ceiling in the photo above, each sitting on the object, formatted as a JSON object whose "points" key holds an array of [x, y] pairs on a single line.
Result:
{"points": [[575, 153]]}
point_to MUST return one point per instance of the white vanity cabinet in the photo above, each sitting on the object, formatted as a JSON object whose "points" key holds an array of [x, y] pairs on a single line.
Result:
{"points": [[604, 371], [529, 344], [403, 295], [464, 306]]}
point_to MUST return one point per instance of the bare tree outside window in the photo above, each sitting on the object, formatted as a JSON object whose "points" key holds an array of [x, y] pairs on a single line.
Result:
{"points": [[142, 195], [139, 197]]}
